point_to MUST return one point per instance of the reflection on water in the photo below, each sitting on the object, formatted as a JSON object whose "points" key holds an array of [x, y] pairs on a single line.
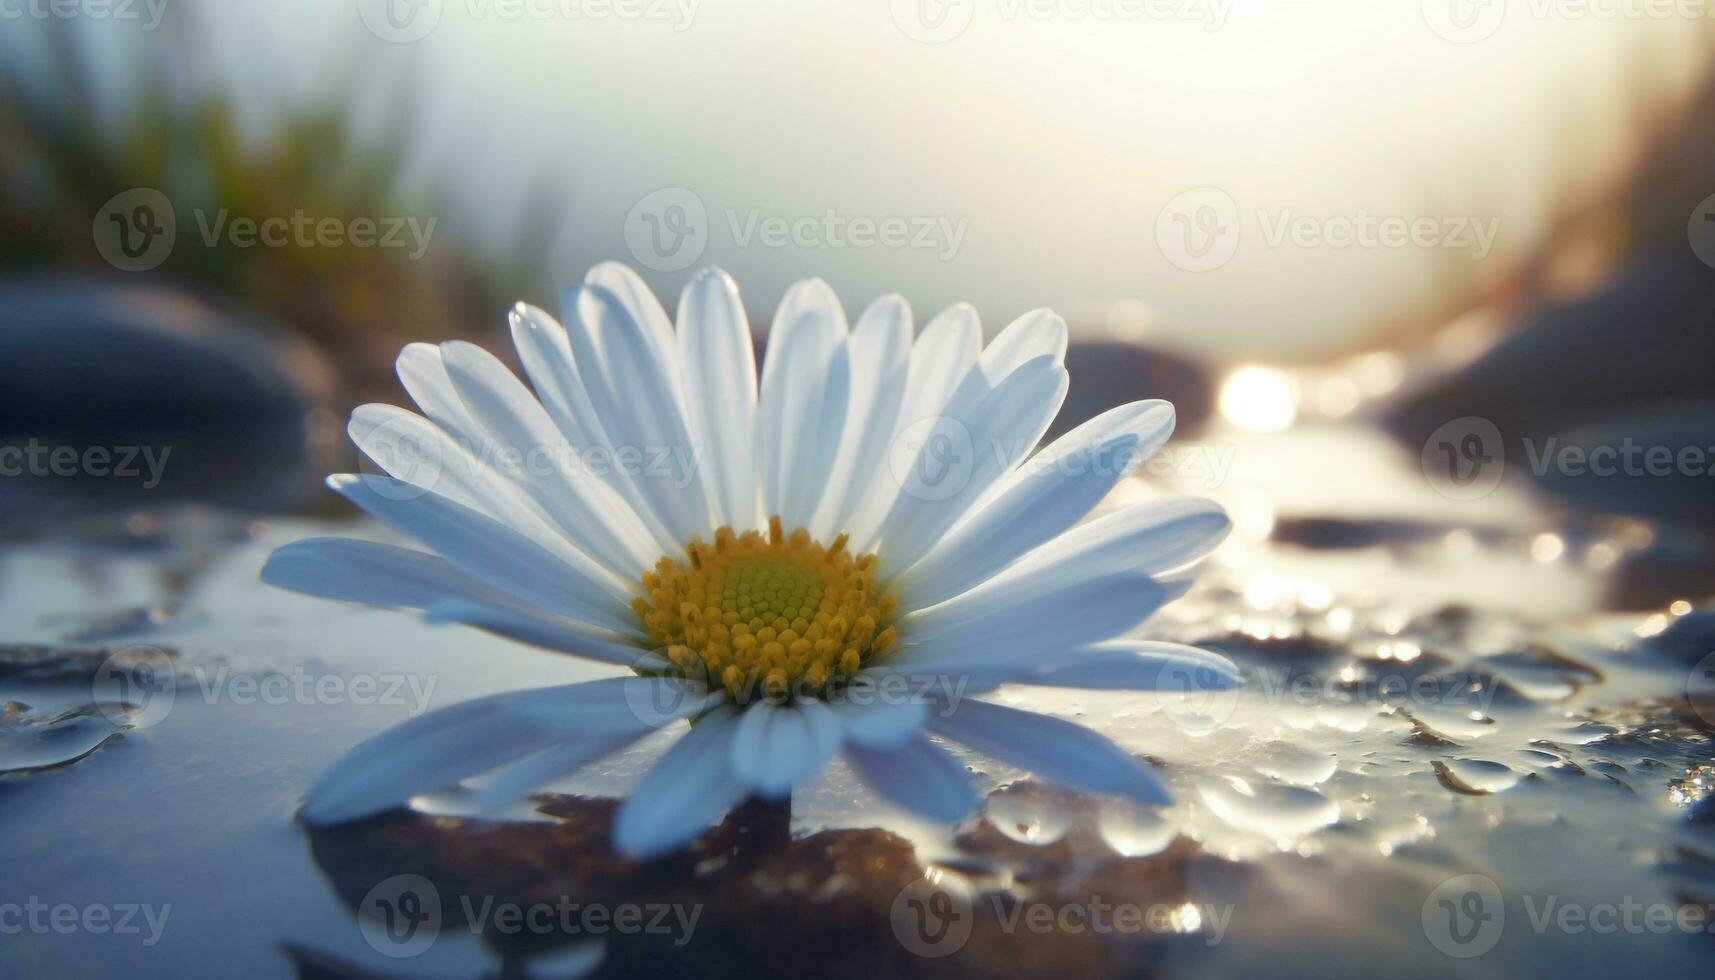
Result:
{"points": [[1434, 690], [1259, 399]]}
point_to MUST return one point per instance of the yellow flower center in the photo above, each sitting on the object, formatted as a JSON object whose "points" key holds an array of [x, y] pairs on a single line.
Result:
{"points": [[775, 614]]}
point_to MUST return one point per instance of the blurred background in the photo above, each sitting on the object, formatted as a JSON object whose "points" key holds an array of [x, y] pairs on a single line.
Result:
{"points": [[223, 219], [1428, 281]]}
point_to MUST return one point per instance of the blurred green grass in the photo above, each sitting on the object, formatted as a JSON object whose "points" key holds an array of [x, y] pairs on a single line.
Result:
{"points": [[62, 158]]}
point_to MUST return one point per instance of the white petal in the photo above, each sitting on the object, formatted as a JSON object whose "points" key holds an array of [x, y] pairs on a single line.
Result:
{"points": [[918, 775], [632, 379], [719, 361], [547, 357], [584, 509], [630, 289], [806, 381], [690, 788], [1141, 665], [371, 573], [1039, 333], [877, 716], [944, 353], [425, 379], [879, 351], [778, 745], [494, 553], [1049, 494], [522, 778], [417, 452], [414, 450], [649, 703], [963, 455], [1152, 537], [1030, 336], [438, 749], [639, 702], [1011, 632], [545, 630], [425, 455], [1055, 749]]}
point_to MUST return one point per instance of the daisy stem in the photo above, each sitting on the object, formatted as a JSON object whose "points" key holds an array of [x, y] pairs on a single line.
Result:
{"points": [[764, 826]]}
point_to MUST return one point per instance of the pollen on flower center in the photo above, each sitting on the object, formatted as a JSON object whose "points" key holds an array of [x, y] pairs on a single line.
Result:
{"points": [[771, 614]]}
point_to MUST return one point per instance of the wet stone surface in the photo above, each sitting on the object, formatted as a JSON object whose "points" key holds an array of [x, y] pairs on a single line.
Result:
{"points": [[1428, 715]]}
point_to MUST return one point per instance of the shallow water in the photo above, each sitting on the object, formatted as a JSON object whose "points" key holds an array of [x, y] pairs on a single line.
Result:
{"points": [[1435, 691]]}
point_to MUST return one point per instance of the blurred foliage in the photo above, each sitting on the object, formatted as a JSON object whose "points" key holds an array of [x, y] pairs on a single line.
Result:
{"points": [[1641, 213], [61, 160]]}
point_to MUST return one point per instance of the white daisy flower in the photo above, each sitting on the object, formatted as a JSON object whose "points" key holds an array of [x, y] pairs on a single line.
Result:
{"points": [[831, 562]]}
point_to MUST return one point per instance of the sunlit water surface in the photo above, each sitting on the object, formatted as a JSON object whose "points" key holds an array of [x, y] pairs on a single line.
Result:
{"points": [[1433, 691]]}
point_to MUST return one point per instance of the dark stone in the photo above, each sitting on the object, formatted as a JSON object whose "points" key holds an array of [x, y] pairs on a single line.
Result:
{"points": [[1107, 374], [1644, 340], [1703, 811], [771, 905], [1654, 463], [1339, 534], [99, 370], [1674, 566], [1689, 638]]}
